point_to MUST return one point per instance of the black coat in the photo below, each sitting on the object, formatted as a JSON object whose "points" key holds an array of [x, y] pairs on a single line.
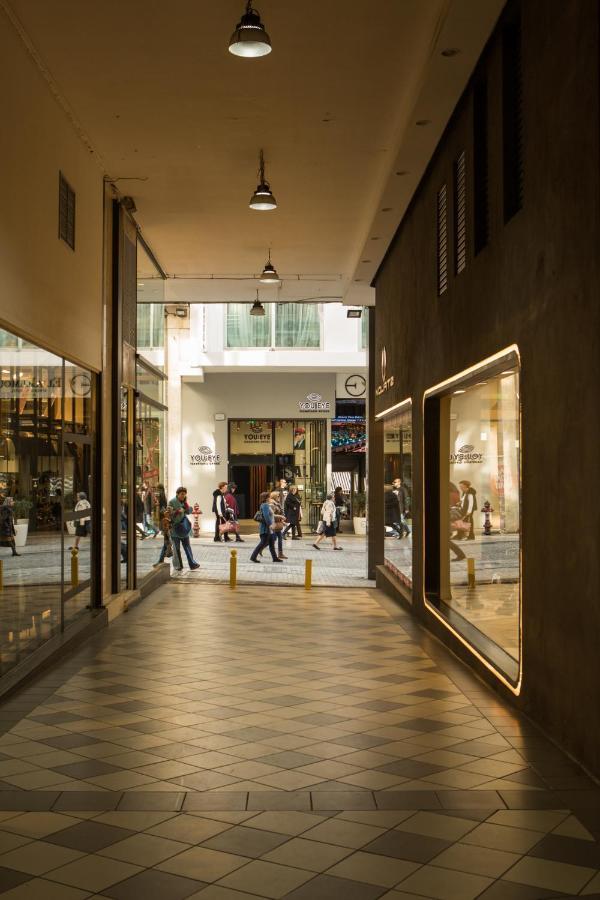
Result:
{"points": [[391, 508], [292, 508], [7, 523]]}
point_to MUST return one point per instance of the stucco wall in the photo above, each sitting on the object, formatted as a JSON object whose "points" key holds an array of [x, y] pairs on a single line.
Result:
{"points": [[536, 284]]}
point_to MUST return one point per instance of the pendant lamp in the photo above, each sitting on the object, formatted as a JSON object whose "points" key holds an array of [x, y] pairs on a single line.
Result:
{"points": [[250, 38], [257, 307], [262, 198], [269, 273]]}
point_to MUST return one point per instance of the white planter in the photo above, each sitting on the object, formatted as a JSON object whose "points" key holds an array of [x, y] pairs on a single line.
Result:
{"points": [[21, 527], [360, 524]]}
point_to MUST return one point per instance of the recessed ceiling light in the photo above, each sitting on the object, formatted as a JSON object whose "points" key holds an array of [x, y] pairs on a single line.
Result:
{"points": [[459, 392], [422, 122], [450, 51], [402, 172], [365, 260], [250, 38], [387, 209]]}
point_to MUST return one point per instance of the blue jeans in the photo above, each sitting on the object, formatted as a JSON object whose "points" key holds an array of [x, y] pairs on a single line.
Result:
{"points": [[266, 540], [178, 543], [163, 551]]}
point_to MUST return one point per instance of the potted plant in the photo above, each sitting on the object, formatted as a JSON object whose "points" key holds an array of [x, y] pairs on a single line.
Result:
{"points": [[359, 512], [21, 510]]}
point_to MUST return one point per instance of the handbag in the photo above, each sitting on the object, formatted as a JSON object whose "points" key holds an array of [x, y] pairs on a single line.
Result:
{"points": [[228, 527], [169, 551], [321, 527], [182, 529]]}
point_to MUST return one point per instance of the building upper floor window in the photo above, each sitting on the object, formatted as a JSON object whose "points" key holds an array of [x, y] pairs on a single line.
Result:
{"points": [[150, 326], [364, 329], [284, 325], [298, 325]]}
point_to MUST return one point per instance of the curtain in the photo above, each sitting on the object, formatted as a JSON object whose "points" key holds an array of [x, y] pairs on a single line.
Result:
{"points": [[244, 330], [298, 325], [364, 329]]}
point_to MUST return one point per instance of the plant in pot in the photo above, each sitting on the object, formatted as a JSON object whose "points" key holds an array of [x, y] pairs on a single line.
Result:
{"points": [[359, 512], [21, 510]]}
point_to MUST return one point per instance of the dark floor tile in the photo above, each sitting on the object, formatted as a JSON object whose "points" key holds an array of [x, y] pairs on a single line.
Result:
{"points": [[90, 768], [175, 751], [10, 878], [28, 801], [70, 741], [216, 800], [287, 700], [246, 841], [473, 799], [568, 850], [88, 836], [476, 815], [253, 733], [410, 768], [56, 718], [532, 800], [150, 726], [394, 679], [320, 719], [154, 885], [404, 845], [132, 706], [289, 759], [325, 887], [579, 799], [362, 741], [168, 801], [407, 800], [88, 800], [343, 800], [508, 890], [297, 801], [424, 725]]}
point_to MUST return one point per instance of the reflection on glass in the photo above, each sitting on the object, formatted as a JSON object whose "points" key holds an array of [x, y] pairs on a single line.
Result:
{"points": [[397, 473], [482, 573], [150, 479], [124, 469]]}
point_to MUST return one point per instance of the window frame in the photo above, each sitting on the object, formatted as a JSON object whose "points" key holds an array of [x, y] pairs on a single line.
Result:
{"points": [[272, 345]]}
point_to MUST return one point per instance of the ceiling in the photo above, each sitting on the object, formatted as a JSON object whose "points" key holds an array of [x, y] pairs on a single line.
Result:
{"points": [[178, 123]]}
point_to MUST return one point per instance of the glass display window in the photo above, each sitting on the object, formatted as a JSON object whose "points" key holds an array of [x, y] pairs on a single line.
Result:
{"points": [[150, 466], [473, 567], [397, 491]]}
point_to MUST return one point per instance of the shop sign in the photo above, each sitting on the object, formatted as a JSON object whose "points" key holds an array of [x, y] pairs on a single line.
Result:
{"points": [[314, 403], [205, 457], [466, 454], [24, 388], [386, 382]]}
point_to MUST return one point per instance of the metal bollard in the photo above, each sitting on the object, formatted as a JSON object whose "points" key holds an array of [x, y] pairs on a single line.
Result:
{"points": [[1, 574], [471, 572], [74, 567], [233, 570], [308, 575]]}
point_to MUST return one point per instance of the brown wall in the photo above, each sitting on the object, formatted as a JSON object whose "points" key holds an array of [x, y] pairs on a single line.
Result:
{"points": [[536, 284]]}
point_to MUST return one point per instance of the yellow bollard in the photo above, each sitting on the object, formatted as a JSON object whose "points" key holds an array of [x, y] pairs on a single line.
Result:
{"points": [[1, 574], [308, 575], [233, 570], [471, 572], [74, 567]]}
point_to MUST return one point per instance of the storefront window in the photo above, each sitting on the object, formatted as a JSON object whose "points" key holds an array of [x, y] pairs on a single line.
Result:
{"points": [[478, 588], [397, 497], [298, 325], [46, 495], [244, 330], [125, 450], [149, 470]]}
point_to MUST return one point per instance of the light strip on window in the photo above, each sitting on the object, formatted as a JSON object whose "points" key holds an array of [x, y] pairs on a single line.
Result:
{"points": [[395, 408]]}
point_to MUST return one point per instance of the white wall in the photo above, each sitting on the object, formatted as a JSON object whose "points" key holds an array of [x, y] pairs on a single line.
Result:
{"points": [[49, 294]]}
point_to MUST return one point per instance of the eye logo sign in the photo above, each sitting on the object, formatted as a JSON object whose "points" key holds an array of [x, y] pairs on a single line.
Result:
{"points": [[205, 457], [466, 448], [314, 403], [466, 454], [256, 428], [386, 383]]}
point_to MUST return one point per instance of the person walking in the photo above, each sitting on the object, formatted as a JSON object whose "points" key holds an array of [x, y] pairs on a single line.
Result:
{"points": [[280, 522], [139, 512], [161, 497], [403, 506], [232, 504], [293, 513], [218, 509], [7, 525], [328, 522], [266, 519], [340, 503], [468, 506], [180, 529], [84, 523], [167, 547], [149, 512]]}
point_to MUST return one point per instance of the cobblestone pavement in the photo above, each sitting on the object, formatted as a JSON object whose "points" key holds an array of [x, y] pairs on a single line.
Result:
{"points": [[221, 746]]}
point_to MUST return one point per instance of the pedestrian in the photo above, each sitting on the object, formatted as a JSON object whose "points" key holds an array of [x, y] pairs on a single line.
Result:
{"points": [[180, 529], [232, 505], [266, 519], [84, 523], [139, 511], [293, 513], [403, 506], [327, 523], [280, 522], [149, 512], [7, 525], [218, 508], [340, 503], [167, 547], [468, 506], [161, 497]]}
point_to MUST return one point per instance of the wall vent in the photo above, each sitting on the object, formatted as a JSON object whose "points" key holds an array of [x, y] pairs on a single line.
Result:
{"points": [[512, 117], [480, 166], [460, 214], [442, 241], [66, 211]]}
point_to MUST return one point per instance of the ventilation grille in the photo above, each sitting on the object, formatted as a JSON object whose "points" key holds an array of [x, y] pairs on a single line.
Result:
{"points": [[512, 118], [460, 214], [442, 240], [66, 211], [129, 307], [480, 166]]}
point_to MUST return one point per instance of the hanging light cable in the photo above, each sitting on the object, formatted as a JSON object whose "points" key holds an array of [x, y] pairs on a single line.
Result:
{"points": [[257, 307], [262, 198], [269, 273], [250, 38]]}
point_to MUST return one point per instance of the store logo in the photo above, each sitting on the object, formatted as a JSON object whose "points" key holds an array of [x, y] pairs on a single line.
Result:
{"points": [[314, 403], [205, 457], [256, 428], [466, 448], [466, 454], [386, 383]]}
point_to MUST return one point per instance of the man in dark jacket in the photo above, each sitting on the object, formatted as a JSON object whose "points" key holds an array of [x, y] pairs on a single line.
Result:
{"points": [[219, 508], [396, 508]]}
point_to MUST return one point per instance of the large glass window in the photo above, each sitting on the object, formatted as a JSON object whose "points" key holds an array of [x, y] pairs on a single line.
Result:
{"points": [[298, 325], [294, 325], [244, 330], [397, 497], [364, 329], [46, 495], [150, 475], [150, 326], [477, 588]]}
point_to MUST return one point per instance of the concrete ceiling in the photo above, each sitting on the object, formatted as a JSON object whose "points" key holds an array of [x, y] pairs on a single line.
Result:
{"points": [[178, 123]]}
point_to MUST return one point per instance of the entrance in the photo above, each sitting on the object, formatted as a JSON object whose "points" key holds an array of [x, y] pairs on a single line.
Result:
{"points": [[251, 478]]}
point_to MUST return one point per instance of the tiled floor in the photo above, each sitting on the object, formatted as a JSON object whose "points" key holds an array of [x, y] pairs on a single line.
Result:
{"points": [[273, 743]]}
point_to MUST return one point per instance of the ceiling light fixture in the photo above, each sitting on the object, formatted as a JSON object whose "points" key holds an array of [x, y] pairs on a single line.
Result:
{"points": [[269, 273], [262, 198], [257, 307], [450, 51], [250, 38], [354, 313]]}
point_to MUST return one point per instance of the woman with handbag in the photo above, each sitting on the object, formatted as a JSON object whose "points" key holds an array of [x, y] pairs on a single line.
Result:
{"points": [[293, 512], [327, 525], [167, 547], [266, 519], [180, 529]]}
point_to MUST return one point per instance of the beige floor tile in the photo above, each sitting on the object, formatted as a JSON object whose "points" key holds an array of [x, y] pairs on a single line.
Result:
{"points": [[542, 820], [444, 884], [93, 873], [343, 834], [494, 767], [373, 781], [266, 879], [218, 892], [514, 840], [38, 857], [202, 864], [484, 861], [249, 769], [171, 768], [133, 759], [289, 780], [592, 887], [41, 889], [135, 821], [310, 855], [189, 829], [9, 841], [211, 759], [291, 823], [329, 769], [373, 868], [448, 828], [457, 778], [121, 781], [545, 873], [446, 758], [144, 849], [15, 767], [38, 824], [379, 818]]}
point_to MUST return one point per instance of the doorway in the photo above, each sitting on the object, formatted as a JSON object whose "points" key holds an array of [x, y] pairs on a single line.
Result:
{"points": [[251, 479]]}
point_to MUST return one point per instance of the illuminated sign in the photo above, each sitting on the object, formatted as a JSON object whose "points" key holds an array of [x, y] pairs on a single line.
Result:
{"points": [[386, 382], [314, 403]]}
